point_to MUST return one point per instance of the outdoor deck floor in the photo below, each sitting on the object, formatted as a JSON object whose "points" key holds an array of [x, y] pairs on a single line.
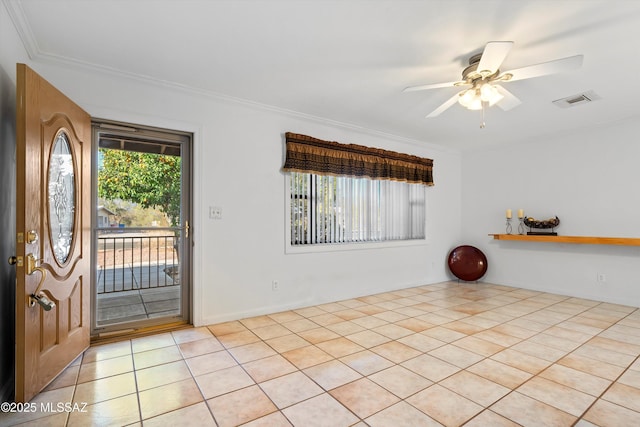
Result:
{"points": [[145, 295], [138, 304]]}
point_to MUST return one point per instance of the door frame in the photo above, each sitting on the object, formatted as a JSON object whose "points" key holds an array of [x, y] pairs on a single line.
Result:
{"points": [[8, 226], [154, 134]]}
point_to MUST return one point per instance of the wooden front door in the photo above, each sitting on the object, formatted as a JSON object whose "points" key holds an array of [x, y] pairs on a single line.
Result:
{"points": [[53, 226]]}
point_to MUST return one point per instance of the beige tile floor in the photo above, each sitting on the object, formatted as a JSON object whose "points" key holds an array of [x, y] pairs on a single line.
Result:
{"points": [[446, 354]]}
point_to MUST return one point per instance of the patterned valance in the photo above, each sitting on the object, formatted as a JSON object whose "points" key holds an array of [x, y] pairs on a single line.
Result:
{"points": [[311, 155]]}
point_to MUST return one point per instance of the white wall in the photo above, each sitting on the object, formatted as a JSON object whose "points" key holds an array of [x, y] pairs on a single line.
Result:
{"points": [[590, 181], [238, 155]]}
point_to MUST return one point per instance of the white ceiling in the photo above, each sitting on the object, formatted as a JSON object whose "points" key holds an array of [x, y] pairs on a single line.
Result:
{"points": [[348, 60]]}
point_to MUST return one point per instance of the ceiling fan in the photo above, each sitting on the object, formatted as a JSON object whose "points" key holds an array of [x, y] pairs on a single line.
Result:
{"points": [[483, 73]]}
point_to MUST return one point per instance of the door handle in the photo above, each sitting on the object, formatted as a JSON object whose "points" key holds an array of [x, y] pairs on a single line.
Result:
{"points": [[32, 265], [38, 296]]}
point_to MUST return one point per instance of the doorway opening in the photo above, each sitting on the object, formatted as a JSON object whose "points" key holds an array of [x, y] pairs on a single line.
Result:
{"points": [[141, 218]]}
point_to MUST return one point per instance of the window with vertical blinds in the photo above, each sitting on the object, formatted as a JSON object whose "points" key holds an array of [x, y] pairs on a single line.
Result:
{"points": [[344, 209], [347, 193]]}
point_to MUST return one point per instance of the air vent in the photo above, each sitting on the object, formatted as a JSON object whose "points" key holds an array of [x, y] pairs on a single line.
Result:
{"points": [[575, 100]]}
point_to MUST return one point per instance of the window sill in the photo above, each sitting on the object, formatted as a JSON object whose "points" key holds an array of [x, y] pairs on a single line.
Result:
{"points": [[341, 247]]}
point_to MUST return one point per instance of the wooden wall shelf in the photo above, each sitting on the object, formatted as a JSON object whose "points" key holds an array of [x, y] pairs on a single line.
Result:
{"points": [[581, 240]]}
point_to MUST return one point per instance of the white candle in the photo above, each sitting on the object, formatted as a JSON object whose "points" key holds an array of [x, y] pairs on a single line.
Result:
{"points": [[520, 213], [508, 213]]}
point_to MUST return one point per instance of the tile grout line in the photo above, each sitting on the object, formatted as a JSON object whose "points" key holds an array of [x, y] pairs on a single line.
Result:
{"points": [[396, 296], [601, 396]]}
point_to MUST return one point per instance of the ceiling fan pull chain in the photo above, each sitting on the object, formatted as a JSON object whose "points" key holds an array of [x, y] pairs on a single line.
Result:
{"points": [[482, 125]]}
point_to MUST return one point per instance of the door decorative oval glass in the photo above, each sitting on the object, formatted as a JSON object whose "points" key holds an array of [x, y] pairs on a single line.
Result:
{"points": [[61, 195]]}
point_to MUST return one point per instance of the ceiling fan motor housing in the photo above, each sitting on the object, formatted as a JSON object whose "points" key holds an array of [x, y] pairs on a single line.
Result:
{"points": [[471, 73]]}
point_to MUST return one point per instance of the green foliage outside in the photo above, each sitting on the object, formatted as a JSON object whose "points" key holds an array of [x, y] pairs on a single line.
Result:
{"points": [[149, 180]]}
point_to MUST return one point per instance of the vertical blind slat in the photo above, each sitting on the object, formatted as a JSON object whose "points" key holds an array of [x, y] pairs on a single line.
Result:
{"points": [[329, 209]]}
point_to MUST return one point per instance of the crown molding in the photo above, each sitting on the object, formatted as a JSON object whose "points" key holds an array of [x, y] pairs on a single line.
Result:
{"points": [[36, 54], [21, 24]]}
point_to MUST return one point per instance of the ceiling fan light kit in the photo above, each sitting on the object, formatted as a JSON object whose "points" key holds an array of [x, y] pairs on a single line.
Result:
{"points": [[483, 73], [479, 95]]}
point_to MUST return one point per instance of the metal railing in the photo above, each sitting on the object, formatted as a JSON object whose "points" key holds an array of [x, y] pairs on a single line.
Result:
{"points": [[136, 258]]}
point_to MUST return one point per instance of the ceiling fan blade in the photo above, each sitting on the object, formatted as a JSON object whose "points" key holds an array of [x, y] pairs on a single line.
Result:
{"points": [[432, 86], [448, 103], [545, 68], [508, 101], [492, 56]]}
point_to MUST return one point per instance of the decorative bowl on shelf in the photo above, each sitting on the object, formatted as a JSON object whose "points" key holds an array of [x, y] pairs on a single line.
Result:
{"points": [[545, 224]]}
